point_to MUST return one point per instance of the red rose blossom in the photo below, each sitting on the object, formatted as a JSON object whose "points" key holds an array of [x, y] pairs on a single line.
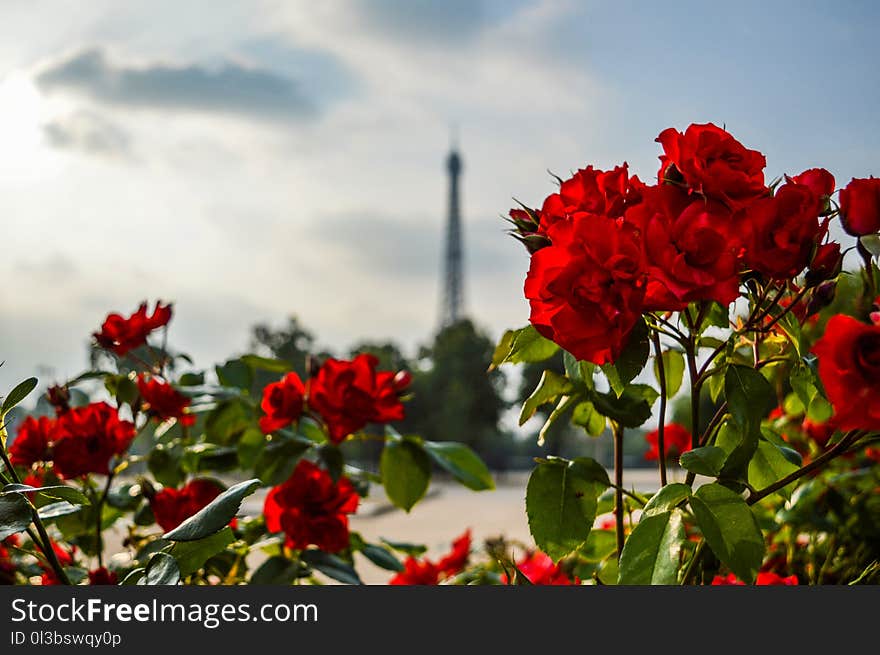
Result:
{"points": [[171, 507], [712, 163], [860, 206], [539, 568], [426, 572], [102, 576], [590, 191], [122, 335], [587, 289], [282, 403], [85, 438], [31, 444], [765, 578], [350, 394], [821, 433], [676, 440], [690, 247], [782, 231], [163, 401], [310, 508], [849, 368], [819, 181], [417, 572]]}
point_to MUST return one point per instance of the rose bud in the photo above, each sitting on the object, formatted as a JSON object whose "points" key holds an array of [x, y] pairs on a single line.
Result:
{"points": [[59, 398], [826, 264], [526, 222], [823, 295], [860, 207]]}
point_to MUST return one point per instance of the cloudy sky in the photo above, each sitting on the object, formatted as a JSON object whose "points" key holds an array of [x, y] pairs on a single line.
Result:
{"points": [[252, 160]]}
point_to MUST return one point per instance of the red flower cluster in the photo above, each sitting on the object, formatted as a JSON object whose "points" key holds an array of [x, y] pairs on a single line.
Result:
{"points": [[345, 395], [849, 367], [65, 558], [607, 248], [163, 401], [427, 572], [676, 440], [539, 568], [122, 335], [310, 509], [80, 441], [102, 576], [171, 507], [765, 578]]}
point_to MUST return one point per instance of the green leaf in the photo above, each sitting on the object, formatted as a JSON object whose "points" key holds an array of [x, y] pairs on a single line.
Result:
{"points": [[215, 516], [586, 416], [630, 411], [276, 571], [406, 472], [192, 555], [162, 570], [235, 373], [267, 364], [54, 511], [164, 463], [652, 552], [524, 345], [19, 393], [462, 463], [578, 371], [333, 460], [730, 529], [707, 460], [413, 550], [769, 465], [667, 499], [631, 360], [278, 459], [60, 492], [564, 404], [673, 371], [599, 545], [561, 502], [15, 515], [871, 243], [382, 557], [550, 387], [250, 445], [331, 565], [749, 395], [134, 577]]}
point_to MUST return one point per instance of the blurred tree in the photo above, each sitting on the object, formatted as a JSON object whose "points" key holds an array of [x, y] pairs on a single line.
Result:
{"points": [[453, 396], [292, 343], [389, 355]]}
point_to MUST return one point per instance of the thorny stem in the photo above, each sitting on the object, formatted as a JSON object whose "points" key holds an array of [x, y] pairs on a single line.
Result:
{"points": [[617, 430], [696, 385], [661, 426], [786, 310]]}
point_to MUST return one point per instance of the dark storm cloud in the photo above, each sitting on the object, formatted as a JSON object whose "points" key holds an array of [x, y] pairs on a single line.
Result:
{"points": [[89, 133], [228, 88]]}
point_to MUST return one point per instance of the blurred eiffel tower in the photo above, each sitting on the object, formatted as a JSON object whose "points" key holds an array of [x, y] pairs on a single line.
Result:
{"points": [[452, 297]]}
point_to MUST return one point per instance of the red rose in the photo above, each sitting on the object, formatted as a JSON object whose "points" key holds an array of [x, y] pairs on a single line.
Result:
{"points": [[590, 191], [540, 570], [676, 440], [586, 291], [122, 335], [765, 578], [821, 433], [171, 507], [31, 444], [457, 559], [102, 576], [350, 394], [65, 558], [59, 398], [860, 206], [417, 572], [819, 181], [311, 509], [781, 232], [163, 401], [690, 249], [282, 403], [849, 367], [712, 163], [826, 264], [85, 438]]}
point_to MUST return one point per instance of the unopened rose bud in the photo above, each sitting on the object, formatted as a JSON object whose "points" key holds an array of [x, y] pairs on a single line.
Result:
{"points": [[826, 264], [823, 295], [526, 223], [59, 398]]}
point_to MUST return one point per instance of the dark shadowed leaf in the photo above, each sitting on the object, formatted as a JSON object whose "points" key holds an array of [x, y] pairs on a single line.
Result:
{"points": [[215, 516], [381, 557], [406, 472], [331, 565], [15, 515], [462, 462], [707, 460], [60, 492], [162, 570], [192, 555], [19, 393]]}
